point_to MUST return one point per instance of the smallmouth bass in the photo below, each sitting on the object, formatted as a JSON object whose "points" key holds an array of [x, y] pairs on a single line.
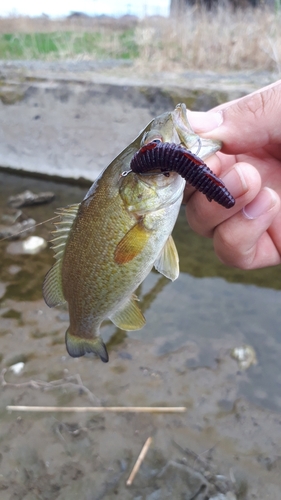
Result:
{"points": [[106, 245]]}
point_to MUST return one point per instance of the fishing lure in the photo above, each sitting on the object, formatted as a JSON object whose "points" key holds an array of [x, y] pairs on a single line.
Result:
{"points": [[169, 157]]}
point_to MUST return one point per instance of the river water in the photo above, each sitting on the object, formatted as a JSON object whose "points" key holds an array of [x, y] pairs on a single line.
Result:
{"points": [[182, 357]]}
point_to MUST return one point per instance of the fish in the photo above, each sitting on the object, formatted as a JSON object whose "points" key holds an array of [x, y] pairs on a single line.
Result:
{"points": [[166, 157], [106, 245]]}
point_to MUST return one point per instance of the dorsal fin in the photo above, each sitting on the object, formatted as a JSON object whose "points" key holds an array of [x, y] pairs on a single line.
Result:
{"points": [[52, 286]]}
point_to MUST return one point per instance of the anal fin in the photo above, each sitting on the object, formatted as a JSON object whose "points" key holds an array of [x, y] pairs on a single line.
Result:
{"points": [[129, 317]]}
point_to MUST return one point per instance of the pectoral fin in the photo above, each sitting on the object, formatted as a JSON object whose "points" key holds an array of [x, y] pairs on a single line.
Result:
{"points": [[168, 260], [129, 317], [132, 244]]}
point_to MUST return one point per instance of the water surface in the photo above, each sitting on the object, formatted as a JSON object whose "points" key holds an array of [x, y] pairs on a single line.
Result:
{"points": [[181, 357]]}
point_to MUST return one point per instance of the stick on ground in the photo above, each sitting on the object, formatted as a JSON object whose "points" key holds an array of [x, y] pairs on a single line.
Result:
{"points": [[100, 409], [139, 461]]}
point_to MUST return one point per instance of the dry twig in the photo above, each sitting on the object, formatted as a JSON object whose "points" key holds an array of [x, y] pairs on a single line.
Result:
{"points": [[73, 381], [100, 409], [139, 461]]}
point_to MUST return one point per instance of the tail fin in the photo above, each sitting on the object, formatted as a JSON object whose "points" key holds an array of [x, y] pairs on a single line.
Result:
{"points": [[77, 346]]}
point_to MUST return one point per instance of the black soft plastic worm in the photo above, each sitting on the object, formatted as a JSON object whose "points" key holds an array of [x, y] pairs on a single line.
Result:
{"points": [[168, 157]]}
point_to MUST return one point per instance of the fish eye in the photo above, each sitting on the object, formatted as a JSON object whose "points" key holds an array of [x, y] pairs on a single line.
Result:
{"points": [[155, 138]]}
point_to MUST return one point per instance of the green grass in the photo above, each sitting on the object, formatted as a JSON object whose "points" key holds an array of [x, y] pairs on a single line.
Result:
{"points": [[66, 44], [220, 40]]}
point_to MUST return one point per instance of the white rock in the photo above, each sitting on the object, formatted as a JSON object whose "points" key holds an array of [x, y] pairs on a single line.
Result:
{"points": [[34, 244], [17, 367]]}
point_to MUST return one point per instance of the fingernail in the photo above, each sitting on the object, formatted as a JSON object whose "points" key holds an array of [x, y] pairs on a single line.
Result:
{"points": [[235, 182], [263, 203], [210, 121]]}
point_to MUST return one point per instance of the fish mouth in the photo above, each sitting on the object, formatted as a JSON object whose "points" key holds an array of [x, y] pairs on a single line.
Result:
{"points": [[159, 179], [151, 173]]}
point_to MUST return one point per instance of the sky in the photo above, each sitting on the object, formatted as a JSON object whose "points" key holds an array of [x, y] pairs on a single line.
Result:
{"points": [[59, 8]]}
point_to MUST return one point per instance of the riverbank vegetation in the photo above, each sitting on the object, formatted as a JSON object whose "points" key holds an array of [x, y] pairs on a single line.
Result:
{"points": [[218, 40]]}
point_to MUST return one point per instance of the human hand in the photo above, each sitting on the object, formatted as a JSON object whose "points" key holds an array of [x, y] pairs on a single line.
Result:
{"points": [[248, 235]]}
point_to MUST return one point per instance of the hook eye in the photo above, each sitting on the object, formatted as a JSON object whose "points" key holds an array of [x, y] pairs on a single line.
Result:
{"points": [[125, 173]]}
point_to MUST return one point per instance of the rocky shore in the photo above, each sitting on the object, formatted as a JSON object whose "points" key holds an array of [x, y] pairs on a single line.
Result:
{"points": [[70, 119]]}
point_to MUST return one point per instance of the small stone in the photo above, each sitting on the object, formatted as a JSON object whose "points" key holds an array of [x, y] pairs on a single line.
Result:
{"points": [[17, 230], [124, 355], [156, 495], [14, 269], [32, 245], [245, 356], [63, 316], [28, 198], [177, 477], [3, 288], [221, 496], [17, 367]]}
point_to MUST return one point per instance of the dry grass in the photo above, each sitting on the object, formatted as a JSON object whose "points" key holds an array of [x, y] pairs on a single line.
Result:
{"points": [[223, 40], [75, 24]]}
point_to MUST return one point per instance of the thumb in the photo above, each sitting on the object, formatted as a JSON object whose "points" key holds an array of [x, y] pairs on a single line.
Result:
{"points": [[245, 124]]}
